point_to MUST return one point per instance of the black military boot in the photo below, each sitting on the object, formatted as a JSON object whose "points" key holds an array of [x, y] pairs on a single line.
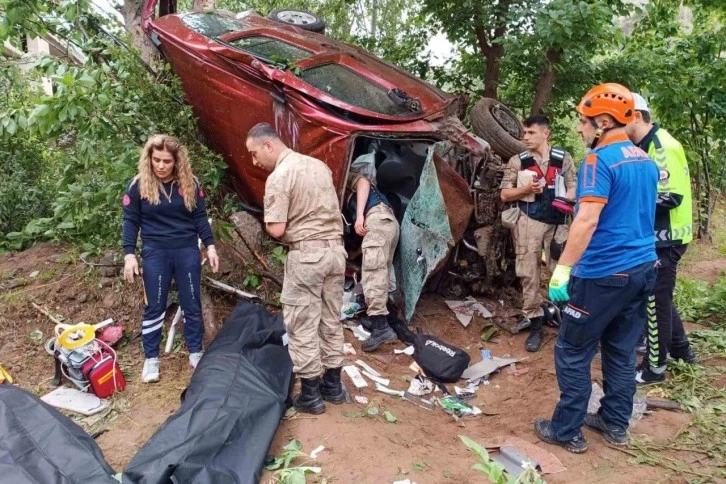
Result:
{"points": [[534, 340], [381, 334], [309, 400], [332, 388]]}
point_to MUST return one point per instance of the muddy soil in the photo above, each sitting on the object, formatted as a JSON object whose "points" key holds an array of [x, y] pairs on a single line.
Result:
{"points": [[422, 445]]}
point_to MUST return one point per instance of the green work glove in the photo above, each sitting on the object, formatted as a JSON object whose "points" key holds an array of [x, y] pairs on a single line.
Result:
{"points": [[558, 283]]}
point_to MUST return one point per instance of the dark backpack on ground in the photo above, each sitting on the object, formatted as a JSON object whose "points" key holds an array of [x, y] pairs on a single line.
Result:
{"points": [[438, 359]]}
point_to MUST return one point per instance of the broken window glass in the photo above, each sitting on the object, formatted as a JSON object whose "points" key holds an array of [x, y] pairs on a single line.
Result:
{"points": [[270, 49], [344, 84], [211, 25]]}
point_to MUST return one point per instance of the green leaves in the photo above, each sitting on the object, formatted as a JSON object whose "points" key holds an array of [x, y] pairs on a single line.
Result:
{"points": [[285, 474], [494, 470], [69, 155]]}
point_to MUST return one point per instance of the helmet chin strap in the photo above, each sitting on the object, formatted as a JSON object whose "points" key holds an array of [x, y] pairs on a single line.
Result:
{"points": [[598, 133]]}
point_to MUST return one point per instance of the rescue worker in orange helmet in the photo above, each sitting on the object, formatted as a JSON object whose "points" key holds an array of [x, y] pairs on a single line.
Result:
{"points": [[605, 274]]}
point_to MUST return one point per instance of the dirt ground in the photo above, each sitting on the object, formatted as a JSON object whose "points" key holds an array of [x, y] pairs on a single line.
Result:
{"points": [[422, 445]]}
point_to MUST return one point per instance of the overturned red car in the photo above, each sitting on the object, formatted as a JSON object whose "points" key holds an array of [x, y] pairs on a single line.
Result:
{"points": [[335, 102]]}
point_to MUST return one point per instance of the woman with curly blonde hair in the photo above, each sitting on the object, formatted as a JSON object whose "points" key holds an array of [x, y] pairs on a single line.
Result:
{"points": [[166, 203]]}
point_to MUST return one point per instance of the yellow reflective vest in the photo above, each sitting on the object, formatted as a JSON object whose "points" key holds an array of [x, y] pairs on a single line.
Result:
{"points": [[673, 214]]}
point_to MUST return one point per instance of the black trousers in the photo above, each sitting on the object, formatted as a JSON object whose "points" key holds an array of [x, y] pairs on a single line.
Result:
{"points": [[665, 328]]}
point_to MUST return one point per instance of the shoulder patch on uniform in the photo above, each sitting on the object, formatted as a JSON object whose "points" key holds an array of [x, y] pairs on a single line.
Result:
{"points": [[126, 200], [201, 192], [590, 172], [524, 155], [557, 153]]}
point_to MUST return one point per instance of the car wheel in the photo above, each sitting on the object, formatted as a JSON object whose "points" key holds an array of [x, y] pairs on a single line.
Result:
{"points": [[299, 18], [499, 126]]}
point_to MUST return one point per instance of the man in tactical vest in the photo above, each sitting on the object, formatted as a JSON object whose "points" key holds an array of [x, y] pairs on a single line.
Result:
{"points": [[530, 180], [673, 232]]}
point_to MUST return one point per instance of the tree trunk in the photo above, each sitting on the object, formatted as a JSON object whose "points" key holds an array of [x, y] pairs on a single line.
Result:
{"points": [[132, 11], [546, 81], [493, 53], [204, 6], [706, 205]]}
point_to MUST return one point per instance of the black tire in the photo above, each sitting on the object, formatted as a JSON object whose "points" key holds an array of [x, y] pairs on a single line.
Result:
{"points": [[299, 18], [499, 126]]}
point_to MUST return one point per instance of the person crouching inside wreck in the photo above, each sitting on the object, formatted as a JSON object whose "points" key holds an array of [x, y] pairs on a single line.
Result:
{"points": [[530, 179], [373, 219], [302, 209], [166, 202]]}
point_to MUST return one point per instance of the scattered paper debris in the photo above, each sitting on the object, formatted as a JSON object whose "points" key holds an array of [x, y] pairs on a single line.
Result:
{"points": [[427, 404], [388, 391], [464, 310], [34, 274], [355, 376], [348, 349], [359, 333], [468, 391], [377, 379], [316, 451], [361, 399], [75, 401], [367, 367], [420, 386], [408, 351]]}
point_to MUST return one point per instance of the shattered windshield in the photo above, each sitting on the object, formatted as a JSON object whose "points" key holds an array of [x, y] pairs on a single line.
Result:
{"points": [[344, 84], [270, 49], [211, 25]]}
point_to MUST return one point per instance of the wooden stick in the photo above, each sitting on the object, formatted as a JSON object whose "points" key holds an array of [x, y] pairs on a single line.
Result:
{"points": [[232, 290], [251, 249], [663, 404], [45, 312], [243, 259]]}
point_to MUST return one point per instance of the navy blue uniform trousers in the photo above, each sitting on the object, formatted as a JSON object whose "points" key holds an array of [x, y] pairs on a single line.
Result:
{"points": [[610, 310], [160, 265]]}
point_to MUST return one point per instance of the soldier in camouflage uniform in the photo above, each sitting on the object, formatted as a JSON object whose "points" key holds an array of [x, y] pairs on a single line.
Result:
{"points": [[373, 220], [539, 222], [302, 209]]}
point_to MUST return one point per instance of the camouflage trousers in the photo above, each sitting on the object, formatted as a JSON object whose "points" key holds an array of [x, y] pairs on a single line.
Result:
{"points": [[530, 237], [312, 295], [379, 246]]}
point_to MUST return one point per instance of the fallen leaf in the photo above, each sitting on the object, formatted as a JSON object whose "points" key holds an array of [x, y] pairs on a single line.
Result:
{"points": [[489, 333], [289, 413], [36, 335], [390, 418]]}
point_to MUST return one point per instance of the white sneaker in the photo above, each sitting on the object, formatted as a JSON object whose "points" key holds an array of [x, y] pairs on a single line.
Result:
{"points": [[150, 373], [194, 358]]}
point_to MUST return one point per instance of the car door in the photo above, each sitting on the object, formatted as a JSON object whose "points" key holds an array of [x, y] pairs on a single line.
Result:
{"points": [[426, 235]]}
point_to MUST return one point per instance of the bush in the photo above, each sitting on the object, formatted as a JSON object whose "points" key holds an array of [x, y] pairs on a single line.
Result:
{"points": [[83, 147]]}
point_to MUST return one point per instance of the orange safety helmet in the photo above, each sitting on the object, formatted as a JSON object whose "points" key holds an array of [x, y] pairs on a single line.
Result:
{"points": [[610, 98]]}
